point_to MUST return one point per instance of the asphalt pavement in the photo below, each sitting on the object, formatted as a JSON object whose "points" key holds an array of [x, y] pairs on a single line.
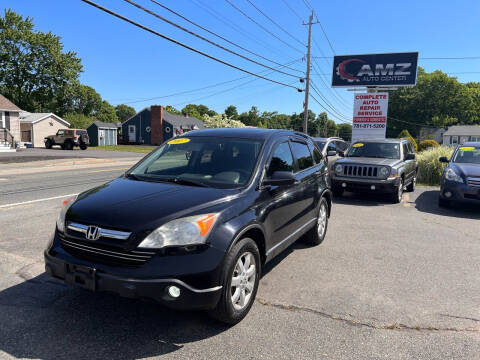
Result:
{"points": [[389, 282]]}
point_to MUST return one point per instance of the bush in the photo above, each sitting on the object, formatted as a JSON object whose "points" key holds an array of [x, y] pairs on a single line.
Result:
{"points": [[404, 134], [427, 144], [429, 166], [221, 121]]}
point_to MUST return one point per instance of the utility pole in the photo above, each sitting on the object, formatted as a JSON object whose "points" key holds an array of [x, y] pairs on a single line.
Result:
{"points": [[307, 79]]}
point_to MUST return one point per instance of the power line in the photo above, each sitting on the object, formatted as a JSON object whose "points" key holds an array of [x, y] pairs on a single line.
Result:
{"points": [[310, 7], [275, 23], [204, 39], [184, 45], [292, 10], [220, 36], [229, 23], [326, 110], [197, 89], [262, 27], [327, 102]]}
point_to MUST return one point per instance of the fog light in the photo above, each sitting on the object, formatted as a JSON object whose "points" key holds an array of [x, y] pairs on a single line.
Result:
{"points": [[448, 194], [344, 185], [372, 187], [174, 291]]}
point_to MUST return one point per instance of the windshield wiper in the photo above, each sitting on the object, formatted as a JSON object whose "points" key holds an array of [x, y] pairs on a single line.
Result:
{"points": [[183, 181], [133, 176]]}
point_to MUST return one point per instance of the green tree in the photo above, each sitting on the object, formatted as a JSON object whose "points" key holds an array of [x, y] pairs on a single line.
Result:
{"points": [[172, 110], [231, 112], [404, 134], [221, 121], [78, 121], [437, 99], [124, 112], [35, 72], [345, 131], [106, 113], [197, 111]]}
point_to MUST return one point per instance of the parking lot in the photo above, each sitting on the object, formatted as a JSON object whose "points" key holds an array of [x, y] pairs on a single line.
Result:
{"points": [[390, 281]]}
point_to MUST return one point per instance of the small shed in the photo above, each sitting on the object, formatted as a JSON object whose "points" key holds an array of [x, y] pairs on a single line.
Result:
{"points": [[102, 133]]}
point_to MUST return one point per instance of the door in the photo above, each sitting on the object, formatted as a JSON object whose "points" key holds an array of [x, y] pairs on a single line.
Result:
{"points": [[132, 136], [101, 137], [409, 164], [280, 204], [59, 137]]}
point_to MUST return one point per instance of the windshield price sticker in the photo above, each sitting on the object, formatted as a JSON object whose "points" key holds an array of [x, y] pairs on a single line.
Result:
{"points": [[358, 145], [178, 141], [370, 116], [467, 148]]}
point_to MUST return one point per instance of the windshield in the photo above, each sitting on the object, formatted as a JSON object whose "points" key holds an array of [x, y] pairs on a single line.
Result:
{"points": [[201, 161], [321, 144], [468, 155], [375, 150]]}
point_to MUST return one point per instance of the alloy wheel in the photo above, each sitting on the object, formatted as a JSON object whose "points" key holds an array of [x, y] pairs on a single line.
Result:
{"points": [[243, 281], [322, 220]]}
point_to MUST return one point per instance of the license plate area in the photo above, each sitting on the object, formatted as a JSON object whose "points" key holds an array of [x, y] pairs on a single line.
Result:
{"points": [[82, 276]]}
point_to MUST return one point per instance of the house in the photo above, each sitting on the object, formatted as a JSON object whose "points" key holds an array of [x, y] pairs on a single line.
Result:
{"points": [[460, 134], [154, 125], [34, 127], [9, 123], [431, 133], [102, 133]]}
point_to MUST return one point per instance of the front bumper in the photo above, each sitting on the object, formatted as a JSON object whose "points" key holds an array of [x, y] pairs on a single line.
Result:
{"points": [[198, 290], [459, 192], [365, 185]]}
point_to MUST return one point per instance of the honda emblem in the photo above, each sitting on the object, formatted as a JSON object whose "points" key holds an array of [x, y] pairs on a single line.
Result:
{"points": [[93, 233]]}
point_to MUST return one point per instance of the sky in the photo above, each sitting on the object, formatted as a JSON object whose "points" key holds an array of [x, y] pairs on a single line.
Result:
{"points": [[126, 64]]}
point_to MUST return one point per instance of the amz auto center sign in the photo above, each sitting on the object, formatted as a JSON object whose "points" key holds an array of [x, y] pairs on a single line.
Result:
{"points": [[370, 116], [393, 69]]}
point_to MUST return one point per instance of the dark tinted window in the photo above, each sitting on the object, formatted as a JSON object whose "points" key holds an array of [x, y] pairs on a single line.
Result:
{"points": [[320, 144], [282, 159], [405, 149], [410, 147], [317, 156], [304, 158], [331, 147], [341, 145]]}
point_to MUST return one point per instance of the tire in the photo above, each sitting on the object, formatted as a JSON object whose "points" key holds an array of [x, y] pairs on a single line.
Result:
{"points": [[411, 186], [316, 235], [68, 145], [48, 144], [232, 311], [83, 147], [444, 203], [337, 191], [396, 197]]}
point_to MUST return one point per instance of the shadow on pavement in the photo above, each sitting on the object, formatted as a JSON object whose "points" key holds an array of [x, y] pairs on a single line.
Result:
{"points": [[364, 199], [427, 202], [43, 318]]}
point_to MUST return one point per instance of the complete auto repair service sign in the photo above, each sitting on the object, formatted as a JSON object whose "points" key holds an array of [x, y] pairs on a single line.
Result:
{"points": [[370, 116]]}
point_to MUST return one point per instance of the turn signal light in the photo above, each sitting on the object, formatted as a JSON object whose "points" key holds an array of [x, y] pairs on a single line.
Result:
{"points": [[206, 223]]}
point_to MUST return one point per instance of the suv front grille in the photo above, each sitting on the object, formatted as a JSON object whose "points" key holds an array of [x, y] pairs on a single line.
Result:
{"points": [[104, 254], [473, 182], [360, 170]]}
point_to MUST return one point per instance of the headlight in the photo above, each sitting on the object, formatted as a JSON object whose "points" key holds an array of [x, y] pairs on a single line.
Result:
{"points": [[453, 176], [185, 231], [384, 171], [61, 218], [338, 168]]}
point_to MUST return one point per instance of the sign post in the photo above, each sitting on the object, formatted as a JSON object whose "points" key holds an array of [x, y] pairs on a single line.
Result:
{"points": [[369, 116]]}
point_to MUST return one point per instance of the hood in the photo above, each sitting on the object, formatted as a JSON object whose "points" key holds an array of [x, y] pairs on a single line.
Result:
{"points": [[469, 170], [368, 161], [132, 205]]}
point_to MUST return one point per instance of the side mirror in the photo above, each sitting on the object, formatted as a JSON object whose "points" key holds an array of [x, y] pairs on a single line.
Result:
{"points": [[280, 178], [331, 153], [410, 157], [443, 159]]}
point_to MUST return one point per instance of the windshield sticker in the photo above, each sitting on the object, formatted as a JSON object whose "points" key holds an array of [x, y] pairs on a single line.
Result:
{"points": [[467, 148], [358, 145], [178, 141]]}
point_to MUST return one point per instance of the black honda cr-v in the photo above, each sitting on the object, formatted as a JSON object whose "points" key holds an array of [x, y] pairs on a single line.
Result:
{"points": [[192, 224]]}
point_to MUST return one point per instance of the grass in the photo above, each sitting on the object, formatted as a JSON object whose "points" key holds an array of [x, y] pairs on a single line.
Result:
{"points": [[128, 148], [429, 167]]}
